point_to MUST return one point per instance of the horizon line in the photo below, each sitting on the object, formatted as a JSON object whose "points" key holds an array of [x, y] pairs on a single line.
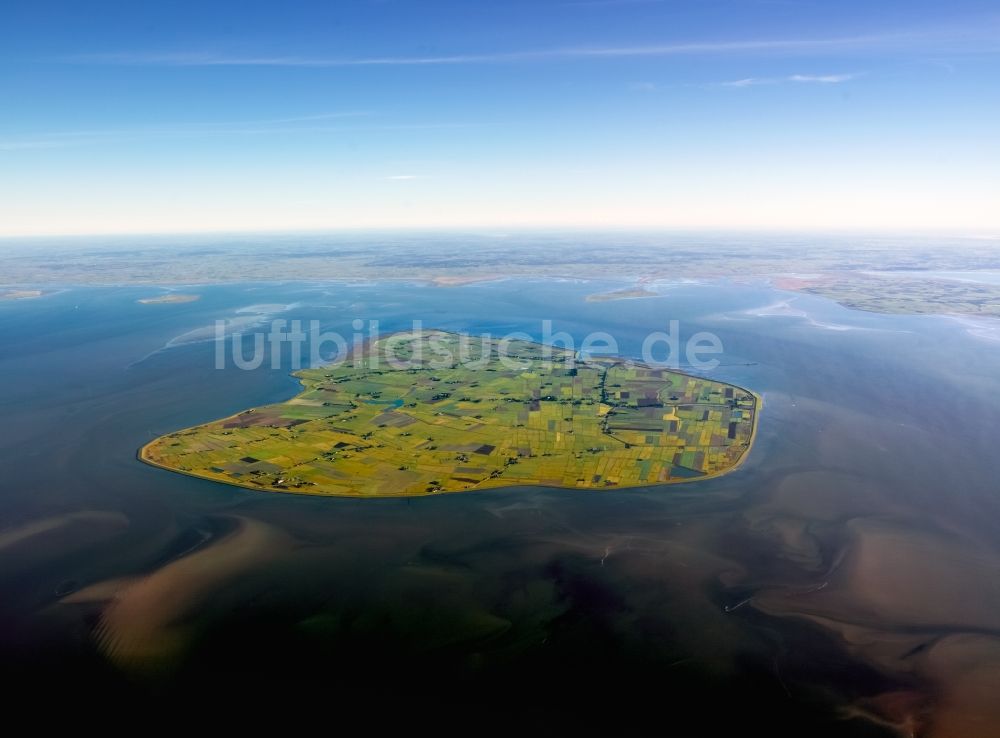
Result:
{"points": [[978, 232]]}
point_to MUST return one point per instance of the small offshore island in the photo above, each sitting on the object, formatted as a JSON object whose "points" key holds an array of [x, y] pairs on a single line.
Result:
{"points": [[171, 298], [20, 294], [504, 415], [629, 293]]}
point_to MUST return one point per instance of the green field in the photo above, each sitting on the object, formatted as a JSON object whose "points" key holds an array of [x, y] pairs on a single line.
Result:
{"points": [[399, 418]]}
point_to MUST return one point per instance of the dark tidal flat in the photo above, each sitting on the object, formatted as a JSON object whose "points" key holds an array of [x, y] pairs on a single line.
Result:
{"points": [[842, 582]]}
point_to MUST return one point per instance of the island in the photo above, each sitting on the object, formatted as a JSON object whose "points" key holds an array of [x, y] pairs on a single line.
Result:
{"points": [[397, 418], [20, 294], [171, 298], [629, 293], [903, 293]]}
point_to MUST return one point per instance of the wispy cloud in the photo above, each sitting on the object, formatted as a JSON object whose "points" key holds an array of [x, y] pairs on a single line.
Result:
{"points": [[823, 79], [199, 59], [609, 3], [23, 145], [749, 82], [303, 118], [302, 124], [983, 37], [198, 127]]}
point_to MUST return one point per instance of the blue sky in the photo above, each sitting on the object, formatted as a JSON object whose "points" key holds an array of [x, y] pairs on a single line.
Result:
{"points": [[757, 114]]}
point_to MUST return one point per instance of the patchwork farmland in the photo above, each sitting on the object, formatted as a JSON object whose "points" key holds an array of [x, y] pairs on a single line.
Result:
{"points": [[433, 412]]}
